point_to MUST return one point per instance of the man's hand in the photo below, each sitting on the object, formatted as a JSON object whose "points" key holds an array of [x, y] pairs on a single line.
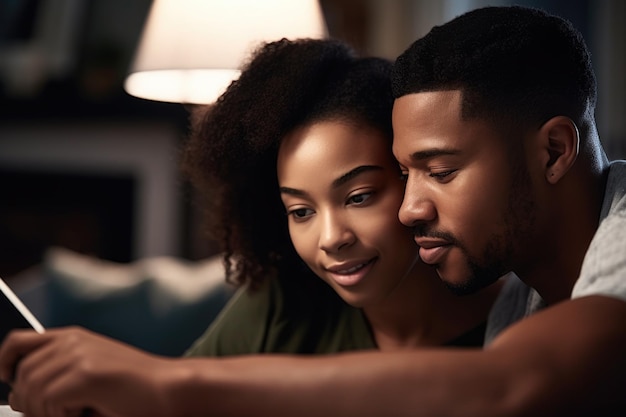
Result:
{"points": [[64, 372]]}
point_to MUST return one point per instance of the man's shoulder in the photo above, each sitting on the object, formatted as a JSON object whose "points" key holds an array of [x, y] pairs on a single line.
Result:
{"points": [[615, 191], [603, 270], [614, 202]]}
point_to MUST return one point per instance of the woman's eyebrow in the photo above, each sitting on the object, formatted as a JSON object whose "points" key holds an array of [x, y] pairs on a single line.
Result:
{"points": [[292, 191], [354, 173], [336, 183]]}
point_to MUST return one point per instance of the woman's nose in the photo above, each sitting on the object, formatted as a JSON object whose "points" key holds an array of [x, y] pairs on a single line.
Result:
{"points": [[335, 233]]}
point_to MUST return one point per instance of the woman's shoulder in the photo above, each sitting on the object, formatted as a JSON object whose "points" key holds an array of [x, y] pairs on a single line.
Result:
{"points": [[286, 314]]}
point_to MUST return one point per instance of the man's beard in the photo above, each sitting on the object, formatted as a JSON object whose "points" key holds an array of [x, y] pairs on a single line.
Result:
{"points": [[499, 256], [482, 274]]}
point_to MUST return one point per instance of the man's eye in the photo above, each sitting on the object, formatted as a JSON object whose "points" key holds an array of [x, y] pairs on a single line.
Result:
{"points": [[441, 175]]}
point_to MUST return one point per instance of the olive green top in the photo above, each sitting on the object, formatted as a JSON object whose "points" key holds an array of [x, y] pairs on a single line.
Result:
{"points": [[281, 317]]}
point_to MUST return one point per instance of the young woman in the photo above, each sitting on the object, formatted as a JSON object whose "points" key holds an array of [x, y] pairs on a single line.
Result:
{"points": [[296, 159], [304, 195]]}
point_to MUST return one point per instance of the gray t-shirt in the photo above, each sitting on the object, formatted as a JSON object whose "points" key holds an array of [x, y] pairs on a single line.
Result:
{"points": [[603, 270]]}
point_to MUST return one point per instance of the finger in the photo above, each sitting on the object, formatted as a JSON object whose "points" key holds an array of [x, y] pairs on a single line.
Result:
{"points": [[53, 410], [17, 344], [55, 380], [66, 396], [56, 346], [41, 365], [14, 402], [36, 374]]}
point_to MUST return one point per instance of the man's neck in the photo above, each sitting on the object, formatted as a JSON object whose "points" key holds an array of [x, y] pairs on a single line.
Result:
{"points": [[576, 222]]}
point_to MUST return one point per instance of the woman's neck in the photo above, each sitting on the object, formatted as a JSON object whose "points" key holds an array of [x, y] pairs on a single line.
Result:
{"points": [[422, 311]]}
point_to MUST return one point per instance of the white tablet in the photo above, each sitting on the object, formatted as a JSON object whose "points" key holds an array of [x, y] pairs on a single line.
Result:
{"points": [[6, 411]]}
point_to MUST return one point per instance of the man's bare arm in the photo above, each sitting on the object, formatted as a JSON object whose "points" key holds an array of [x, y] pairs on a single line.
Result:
{"points": [[567, 359]]}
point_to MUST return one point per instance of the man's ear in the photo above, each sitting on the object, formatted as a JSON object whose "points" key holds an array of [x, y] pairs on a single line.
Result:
{"points": [[560, 140]]}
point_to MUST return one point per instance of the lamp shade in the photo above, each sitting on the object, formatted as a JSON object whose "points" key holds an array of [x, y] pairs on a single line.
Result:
{"points": [[191, 50]]}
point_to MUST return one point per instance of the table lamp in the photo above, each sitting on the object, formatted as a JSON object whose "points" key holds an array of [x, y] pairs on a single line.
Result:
{"points": [[191, 50]]}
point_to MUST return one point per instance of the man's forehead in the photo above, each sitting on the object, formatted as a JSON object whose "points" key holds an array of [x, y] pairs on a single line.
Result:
{"points": [[449, 100], [430, 124], [425, 115]]}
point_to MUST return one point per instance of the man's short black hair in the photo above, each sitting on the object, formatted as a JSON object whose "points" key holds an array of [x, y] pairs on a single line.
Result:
{"points": [[513, 65]]}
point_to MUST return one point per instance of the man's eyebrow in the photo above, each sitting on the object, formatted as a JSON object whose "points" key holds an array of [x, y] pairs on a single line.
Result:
{"points": [[336, 183], [431, 153]]}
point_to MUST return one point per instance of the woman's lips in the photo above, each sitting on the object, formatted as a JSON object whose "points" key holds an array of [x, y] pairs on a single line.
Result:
{"points": [[349, 275]]}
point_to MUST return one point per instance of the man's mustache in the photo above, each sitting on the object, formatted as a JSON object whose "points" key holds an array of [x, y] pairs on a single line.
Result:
{"points": [[429, 232]]}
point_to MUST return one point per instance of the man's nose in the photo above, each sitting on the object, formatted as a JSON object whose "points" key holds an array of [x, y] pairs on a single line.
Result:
{"points": [[417, 207]]}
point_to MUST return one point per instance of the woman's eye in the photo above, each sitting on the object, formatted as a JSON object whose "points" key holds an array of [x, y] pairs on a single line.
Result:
{"points": [[404, 173], [300, 213], [359, 198]]}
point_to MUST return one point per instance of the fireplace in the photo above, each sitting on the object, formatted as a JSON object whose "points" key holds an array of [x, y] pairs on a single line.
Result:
{"points": [[87, 213], [111, 191]]}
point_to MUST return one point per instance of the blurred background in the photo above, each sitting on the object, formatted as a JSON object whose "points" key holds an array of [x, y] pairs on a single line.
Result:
{"points": [[97, 227], [83, 165], [88, 170]]}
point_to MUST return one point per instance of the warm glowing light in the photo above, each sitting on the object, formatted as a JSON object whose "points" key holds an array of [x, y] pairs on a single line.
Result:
{"points": [[191, 50]]}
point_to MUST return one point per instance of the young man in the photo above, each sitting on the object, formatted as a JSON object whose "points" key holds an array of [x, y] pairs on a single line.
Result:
{"points": [[505, 169], [494, 129]]}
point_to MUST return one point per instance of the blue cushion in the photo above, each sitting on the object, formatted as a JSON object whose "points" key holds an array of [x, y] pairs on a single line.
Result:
{"points": [[159, 304]]}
